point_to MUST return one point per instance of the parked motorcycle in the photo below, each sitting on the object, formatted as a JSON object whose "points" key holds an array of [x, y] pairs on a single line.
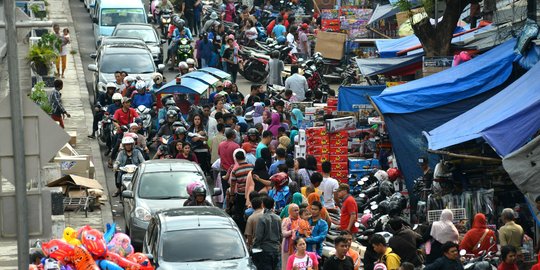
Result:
{"points": [[486, 261], [254, 66]]}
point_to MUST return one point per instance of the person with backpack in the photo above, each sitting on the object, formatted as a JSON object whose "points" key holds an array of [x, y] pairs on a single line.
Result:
{"points": [[391, 260], [404, 242]]}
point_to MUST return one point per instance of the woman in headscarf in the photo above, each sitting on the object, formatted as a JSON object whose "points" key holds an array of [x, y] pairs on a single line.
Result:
{"points": [[442, 231], [305, 173], [275, 124], [297, 199], [324, 213], [258, 110], [284, 142], [261, 183], [289, 227], [479, 238], [292, 136], [280, 190], [297, 117]]}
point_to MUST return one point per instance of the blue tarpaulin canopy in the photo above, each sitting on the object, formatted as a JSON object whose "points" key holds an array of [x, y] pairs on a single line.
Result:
{"points": [[373, 66], [429, 102], [506, 121], [353, 95], [457, 83], [216, 72], [202, 76], [187, 86]]}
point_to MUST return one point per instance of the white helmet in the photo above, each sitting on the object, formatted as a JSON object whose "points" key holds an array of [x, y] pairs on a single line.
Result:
{"points": [[117, 97], [140, 85], [157, 78], [183, 65], [381, 175], [190, 61], [111, 85], [128, 140]]}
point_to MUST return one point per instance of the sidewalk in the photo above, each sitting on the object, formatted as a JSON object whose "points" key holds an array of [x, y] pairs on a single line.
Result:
{"points": [[76, 101]]}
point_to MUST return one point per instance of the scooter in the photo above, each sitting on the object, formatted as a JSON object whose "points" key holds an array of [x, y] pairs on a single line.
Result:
{"points": [[166, 17], [254, 66], [486, 261], [106, 129], [185, 50], [127, 176]]}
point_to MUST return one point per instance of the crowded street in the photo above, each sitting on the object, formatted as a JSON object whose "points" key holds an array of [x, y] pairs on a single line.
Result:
{"points": [[292, 135]]}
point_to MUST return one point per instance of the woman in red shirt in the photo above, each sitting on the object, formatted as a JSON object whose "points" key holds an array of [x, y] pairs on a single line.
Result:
{"points": [[184, 152]]}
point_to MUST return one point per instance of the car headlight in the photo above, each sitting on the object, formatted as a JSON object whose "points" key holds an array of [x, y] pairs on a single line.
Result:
{"points": [[142, 214]]}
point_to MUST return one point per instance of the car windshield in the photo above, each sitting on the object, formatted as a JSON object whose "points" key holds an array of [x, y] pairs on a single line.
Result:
{"points": [[165, 185], [145, 34], [131, 63], [114, 16], [202, 245]]}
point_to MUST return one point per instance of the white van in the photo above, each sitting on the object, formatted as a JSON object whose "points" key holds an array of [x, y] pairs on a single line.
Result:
{"points": [[108, 13]]}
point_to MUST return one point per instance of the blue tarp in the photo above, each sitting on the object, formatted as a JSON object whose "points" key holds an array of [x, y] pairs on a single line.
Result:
{"points": [[457, 83], [390, 47], [353, 95], [506, 121], [187, 86], [427, 103], [373, 66]]}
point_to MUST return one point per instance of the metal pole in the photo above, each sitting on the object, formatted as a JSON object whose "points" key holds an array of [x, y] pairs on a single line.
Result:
{"points": [[436, 13], [18, 134]]}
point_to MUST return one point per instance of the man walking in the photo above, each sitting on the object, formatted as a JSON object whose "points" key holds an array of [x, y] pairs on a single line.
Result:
{"points": [[266, 248], [55, 99], [238, 188], [297, 83], [349, 209], [319, 229]]}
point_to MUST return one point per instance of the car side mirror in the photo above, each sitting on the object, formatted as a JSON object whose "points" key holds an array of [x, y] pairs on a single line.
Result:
{"points": [[95, 20], [127, 194], [161, 67], [93, 67], [93, 55], [462, 252], [217, 192], [163, 41]]}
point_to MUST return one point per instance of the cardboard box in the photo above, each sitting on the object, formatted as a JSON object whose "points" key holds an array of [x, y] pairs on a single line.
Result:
{"points": [[339, 135], [321, 158], [302, 137], [339, 142], [339, 150], [341, 176], [318, 150], [340, 166], [331, 45], [356, 164], [338, 124], [72, 138], [77, 165], [338, 158], [68, 151], [317, 140], [75, 181], [299, 151], [315, 132]]}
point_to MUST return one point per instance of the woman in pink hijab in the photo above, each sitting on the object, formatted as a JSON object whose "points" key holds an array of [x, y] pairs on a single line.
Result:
{"points": [[275, 124]]}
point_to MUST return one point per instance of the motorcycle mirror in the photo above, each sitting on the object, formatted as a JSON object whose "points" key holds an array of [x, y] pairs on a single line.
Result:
{"points": [[356, 224], [367, 211], [360, 183], [362, 195], [374, 207], [415, 227], [462, 252]]}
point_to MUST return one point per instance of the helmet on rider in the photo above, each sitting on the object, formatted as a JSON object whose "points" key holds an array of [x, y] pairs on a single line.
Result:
{"points": [[172, 114], [381, 175], [184, 41], [199, 191], [170, 102], [128, 140], [128, 81], [192, 185], [253, 132], [140, 86], [190, 62], [157, 78], [183, 65], [178, 22], [117, 97], [180, 131], [227, 84], [111, 86]]}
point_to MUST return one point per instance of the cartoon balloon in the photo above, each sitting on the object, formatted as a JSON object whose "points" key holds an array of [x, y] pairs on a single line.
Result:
{"points": [[109, 233], [95, 244], [121, 245], [83, 260], [58, 250], [70, 236], [121, 261], [142, 260], [108, 265]]}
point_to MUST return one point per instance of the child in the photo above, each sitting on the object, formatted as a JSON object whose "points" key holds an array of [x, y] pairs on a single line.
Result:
{"points": [[304, 229], [63, 53]]}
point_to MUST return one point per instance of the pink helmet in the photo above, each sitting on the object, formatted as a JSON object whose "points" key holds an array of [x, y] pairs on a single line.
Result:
{"points": [[365, 219], [227, 84], [191, 186]]}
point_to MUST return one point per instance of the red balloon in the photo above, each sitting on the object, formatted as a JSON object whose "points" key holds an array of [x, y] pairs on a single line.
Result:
{"points": [[94, 242], [121, 261], [142, 260], [58, 250]]}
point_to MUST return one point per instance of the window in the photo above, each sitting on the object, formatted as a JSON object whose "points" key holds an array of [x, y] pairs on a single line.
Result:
{"points": [[148, 35], [166, 185], [202, 245], [131, 63], [114, 16]]}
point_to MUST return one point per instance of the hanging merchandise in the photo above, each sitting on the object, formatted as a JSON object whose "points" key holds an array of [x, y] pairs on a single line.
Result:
{"points": [[330, 20], [354, 21]]}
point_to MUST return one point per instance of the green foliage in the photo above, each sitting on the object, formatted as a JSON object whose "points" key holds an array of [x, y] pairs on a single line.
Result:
{"points": [[50, 40], [40, 97], [45, 51], [404, 5], [38, 11]]}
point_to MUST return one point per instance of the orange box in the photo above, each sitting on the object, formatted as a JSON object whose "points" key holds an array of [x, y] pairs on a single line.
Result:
{"points": [[318, 149], [318, 140], [340, 175], [338, 158], [339, 150], [315, 132], [321, 158], [339, 142], [340, 166], [339, 134]]}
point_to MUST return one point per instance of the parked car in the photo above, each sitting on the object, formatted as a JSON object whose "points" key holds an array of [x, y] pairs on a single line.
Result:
{"points": [[125, 41], [143, 31], [196, 238], [136, 60], [158, 185]]}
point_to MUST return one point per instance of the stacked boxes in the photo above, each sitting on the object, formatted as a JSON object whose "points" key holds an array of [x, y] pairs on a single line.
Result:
{"points": [[361, 167], [318, 144], [339, 151], [331, 106], [300, 148]]}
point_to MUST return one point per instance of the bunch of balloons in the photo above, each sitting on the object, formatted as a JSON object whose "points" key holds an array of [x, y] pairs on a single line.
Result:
{"points": [[90, 249]]}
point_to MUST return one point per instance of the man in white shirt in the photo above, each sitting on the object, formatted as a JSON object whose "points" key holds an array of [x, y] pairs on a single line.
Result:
{"points": [[328, 188], [297, 83]]}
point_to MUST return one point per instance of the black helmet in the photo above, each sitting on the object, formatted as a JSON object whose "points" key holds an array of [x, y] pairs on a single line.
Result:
{"points": [[172, 113], [384, 207], [253, 132], [177, 124], [164, 149], [178, 22], [180, 131], [386, 188], [199, 191], [164, 98], [170, 102]]}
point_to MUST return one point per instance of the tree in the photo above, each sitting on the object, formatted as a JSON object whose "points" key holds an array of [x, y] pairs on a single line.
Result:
{"points": [[436, 39]]}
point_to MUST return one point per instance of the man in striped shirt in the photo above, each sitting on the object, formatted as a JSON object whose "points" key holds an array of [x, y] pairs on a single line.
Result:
{"points": [[238, 188]]}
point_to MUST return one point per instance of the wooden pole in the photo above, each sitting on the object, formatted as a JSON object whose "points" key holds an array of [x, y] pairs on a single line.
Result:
{"points": [[378, 32], [439, 152]]}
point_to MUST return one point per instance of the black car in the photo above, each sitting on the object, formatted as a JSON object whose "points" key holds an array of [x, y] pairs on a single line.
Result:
{"points": [[145, 32], [196, 238], [158, 185]]}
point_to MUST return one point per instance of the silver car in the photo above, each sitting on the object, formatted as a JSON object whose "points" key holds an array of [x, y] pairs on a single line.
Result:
{"points": [[158, 185], [145, 32]]}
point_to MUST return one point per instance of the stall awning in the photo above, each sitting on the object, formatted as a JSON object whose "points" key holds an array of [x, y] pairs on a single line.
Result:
{"points": [[356, 95], [373, 66], [203, 77], [457, 83], [383, 12], [506, 121], [187, 86], [216, 72]]}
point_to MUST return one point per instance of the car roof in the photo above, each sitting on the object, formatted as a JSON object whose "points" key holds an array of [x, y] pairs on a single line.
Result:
{"points": [[194, 217], [124, 41], [160, 165], [125, 49], [121, 4], [134, 26]]}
